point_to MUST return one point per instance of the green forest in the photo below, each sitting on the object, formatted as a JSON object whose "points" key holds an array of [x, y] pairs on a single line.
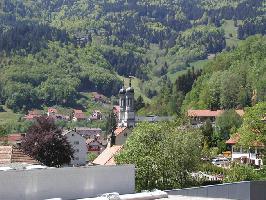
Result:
{"points": [[53, 50]]}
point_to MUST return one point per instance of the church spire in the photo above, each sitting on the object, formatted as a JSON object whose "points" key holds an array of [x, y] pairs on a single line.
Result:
{"points": [[130, 79]]}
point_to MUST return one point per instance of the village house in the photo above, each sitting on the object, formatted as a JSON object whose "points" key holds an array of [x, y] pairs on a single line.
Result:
{"points": [[32, 115], [99, 97], [198, 117], [78, 143], [252, 155], [89, 133], [53, 113], [96, 145], [121, 135], [13, 139], [12, 154], [107, 157], [78, 115], [96, 115]]}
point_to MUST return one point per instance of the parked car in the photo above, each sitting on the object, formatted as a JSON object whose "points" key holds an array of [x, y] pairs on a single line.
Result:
{"points": [[220, 161]]}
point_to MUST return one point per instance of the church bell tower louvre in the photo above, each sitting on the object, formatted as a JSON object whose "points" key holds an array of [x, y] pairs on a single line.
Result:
{"points": [[126, 103]]}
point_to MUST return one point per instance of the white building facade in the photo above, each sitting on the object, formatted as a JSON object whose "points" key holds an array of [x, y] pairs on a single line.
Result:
{"points": [[251, 155], [78, 143]]}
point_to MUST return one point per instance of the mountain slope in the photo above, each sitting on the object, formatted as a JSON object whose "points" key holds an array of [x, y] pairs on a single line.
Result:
{"points": [[55, 48]]}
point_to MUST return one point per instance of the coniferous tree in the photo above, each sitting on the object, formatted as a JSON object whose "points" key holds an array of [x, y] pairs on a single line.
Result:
{"points": [[208, 133], [139, 103], [111, 125]]}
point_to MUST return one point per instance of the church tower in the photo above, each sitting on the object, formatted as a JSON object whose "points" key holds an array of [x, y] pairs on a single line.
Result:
{"points": [[122, 104], [127, 111]]}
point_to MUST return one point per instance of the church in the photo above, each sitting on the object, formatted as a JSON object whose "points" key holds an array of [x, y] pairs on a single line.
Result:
{"points": [[126, 116]]}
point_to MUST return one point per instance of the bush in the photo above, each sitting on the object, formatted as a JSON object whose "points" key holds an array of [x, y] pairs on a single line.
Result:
{"points": [[212, 169], [240, 172]]}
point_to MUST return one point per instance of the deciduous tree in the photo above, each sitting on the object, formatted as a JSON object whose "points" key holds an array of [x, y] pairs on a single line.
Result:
{"points": [[227, 124], [254, 125], [45, 142], [163, 155]]}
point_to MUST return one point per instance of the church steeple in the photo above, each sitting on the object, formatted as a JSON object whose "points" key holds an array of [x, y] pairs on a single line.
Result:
{"points": [[127, 111], [122, 90]]}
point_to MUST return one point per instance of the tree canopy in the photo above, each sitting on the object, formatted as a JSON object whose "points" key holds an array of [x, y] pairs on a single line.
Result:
{"points": [[233, 79], [55, 49], [163, 155], [253, 128], [45, 142], [228, 123]]}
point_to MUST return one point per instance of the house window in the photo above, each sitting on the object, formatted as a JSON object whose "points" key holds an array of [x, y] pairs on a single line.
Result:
{"points": [[236, 149], [76, 142], [77, 150], [244, 150], [77, 158], [252, 150], [125, 134]]}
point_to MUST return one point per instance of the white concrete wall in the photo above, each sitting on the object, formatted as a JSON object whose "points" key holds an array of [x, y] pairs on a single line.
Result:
{"points": [[66, 183]]}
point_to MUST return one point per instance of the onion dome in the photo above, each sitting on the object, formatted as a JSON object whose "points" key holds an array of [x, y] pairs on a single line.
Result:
{"points": [[130, 90], [122, 90]]}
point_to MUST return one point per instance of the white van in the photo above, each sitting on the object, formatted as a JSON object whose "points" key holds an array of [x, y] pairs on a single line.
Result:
{"points": [[220, 161]]}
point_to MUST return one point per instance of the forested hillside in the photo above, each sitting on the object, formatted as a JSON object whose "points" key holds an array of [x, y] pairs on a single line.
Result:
{"points": [[234, 79], [51, 50]]}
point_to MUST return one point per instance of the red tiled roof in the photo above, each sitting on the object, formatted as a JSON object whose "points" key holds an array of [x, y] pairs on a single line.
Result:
{"points": [[119, 130], [80, 115], [257, 144], [78, 111], [52, 110], [10, 154], [15, 137], [204, 113], [107, 156], [210, 113], [31, 117], [235, 139], [33, 112]]}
